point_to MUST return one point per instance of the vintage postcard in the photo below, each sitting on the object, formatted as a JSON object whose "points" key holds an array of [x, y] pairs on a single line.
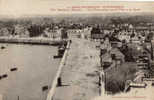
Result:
{"points": [[76, 50]]}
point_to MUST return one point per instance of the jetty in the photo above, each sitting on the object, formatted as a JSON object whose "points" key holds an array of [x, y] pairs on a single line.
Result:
{"points": [[36, 40]]}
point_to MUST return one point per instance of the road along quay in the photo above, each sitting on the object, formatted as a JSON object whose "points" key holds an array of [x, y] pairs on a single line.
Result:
{"points": [[79, 73]]}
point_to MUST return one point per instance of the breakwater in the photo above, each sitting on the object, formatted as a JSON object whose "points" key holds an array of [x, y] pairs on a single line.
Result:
{"points": [[41, 41]]}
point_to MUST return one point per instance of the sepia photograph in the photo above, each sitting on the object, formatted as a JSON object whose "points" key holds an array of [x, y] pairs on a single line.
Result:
{"points": [[76, 50]]}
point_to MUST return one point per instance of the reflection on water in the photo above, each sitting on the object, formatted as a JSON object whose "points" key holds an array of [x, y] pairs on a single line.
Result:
{"points": [[36, 68]]}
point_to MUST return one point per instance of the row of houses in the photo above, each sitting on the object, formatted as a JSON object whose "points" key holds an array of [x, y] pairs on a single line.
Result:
{"points": [[110, 52], [129, 34], [82, 33], [33, 31]]}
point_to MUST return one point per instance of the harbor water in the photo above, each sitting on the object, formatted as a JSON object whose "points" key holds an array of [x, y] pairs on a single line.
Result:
{"points": [[36, 69]]}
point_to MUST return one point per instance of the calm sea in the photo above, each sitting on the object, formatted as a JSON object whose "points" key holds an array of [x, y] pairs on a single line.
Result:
{"points": [[36, 68]]}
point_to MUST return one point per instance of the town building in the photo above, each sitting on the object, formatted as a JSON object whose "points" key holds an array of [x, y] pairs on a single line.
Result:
{"points": [[117, 55]]}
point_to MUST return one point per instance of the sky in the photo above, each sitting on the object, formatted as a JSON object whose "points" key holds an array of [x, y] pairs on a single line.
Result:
{"points": [[19, 8]]}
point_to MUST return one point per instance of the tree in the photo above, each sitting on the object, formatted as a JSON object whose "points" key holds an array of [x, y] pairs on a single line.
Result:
{"points": [[36, 30]]}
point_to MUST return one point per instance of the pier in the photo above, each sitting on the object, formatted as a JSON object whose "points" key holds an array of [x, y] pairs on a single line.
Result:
{"points": [[38, 41]]}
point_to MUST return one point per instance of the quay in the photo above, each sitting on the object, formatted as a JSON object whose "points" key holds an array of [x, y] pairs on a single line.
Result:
{"points": [[55, 81], [41, 41], [79, 74]]}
